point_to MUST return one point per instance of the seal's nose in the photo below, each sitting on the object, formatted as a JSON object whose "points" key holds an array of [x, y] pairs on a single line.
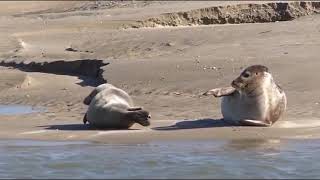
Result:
{"points": [[149, 116]]}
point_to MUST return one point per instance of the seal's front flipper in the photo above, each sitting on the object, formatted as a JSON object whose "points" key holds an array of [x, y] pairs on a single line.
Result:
{"points": [[134, 109], [218, 92], [85, 119], [248, 122]]}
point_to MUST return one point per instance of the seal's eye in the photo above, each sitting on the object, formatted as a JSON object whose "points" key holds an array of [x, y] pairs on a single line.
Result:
{"points": [[246, 75]]}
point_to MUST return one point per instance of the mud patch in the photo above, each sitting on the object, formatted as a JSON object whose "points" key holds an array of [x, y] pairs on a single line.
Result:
{"points": [[233, 14]]}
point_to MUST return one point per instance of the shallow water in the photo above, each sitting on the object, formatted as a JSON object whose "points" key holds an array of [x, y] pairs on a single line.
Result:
{"points": [[183, 159], [18, 109]]}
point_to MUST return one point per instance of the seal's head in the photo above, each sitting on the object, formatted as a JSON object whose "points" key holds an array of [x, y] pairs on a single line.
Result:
{"points": [[139, 116], [251, 78]]}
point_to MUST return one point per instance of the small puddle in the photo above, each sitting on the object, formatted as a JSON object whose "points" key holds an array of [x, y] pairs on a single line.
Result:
{"points": [[19, 109]]}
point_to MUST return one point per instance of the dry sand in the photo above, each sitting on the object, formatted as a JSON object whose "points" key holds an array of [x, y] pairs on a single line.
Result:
{"points": [[165, 69]]}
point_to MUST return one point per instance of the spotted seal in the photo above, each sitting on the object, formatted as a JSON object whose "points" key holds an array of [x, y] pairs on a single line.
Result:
{"points": [[112, 107], [254, 99]]}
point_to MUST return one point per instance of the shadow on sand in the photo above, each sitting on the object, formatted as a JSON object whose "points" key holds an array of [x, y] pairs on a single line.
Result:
{"points": [[77, 127], [89, 81], [188, 124], [87, 70], [68, 127], [195, 124]]}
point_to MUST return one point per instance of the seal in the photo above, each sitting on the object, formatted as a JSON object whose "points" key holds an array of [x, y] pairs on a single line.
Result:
{"points": [[254, 99], [111, 107]]}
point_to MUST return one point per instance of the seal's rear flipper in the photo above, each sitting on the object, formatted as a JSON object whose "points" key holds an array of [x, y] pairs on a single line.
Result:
{"points": [[218, 92], [85, 119], [248, 122]]}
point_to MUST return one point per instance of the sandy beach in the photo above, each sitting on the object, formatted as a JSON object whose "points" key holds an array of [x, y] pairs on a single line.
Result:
{"points": [[50, 54]]}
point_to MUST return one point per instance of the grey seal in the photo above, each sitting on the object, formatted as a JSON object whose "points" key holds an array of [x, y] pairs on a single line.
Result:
{"points": [[112, 107], [254, 99]]}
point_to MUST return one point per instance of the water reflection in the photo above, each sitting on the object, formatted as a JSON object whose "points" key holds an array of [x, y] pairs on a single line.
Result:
{"points": [[19, 109], [245, 158], [253, 144]]}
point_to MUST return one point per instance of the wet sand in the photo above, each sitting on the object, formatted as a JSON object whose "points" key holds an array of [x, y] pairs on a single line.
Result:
{"points": [[165, 69]]}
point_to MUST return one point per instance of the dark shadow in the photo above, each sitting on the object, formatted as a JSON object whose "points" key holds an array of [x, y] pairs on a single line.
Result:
{"points": [[69, 127], [88, 70], [195, 124], [89, 81], [77, 127]]}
